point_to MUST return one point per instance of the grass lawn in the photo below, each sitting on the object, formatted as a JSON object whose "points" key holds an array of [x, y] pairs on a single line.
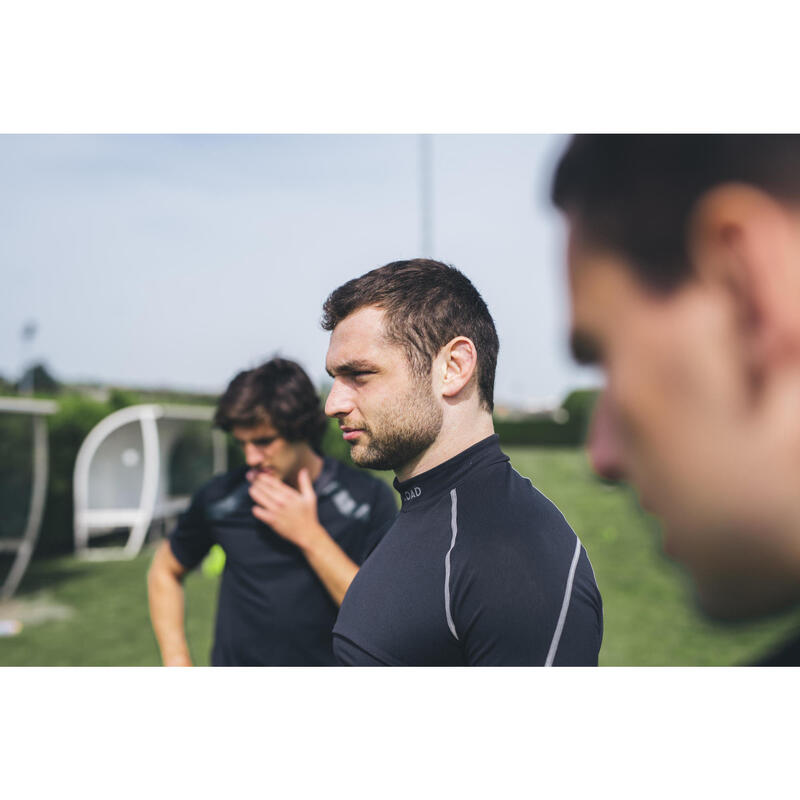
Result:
{"points": [[95, 613], [649, 615], [108, 623]]}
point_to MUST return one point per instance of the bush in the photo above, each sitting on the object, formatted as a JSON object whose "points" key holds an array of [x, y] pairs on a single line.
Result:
{"points": [[546, 431], [67, 429], [16, 462], [334, 445], [38, 379]]}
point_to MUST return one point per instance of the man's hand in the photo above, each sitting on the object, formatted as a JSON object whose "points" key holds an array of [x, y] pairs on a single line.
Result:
{"points": [[293, 515], [165, 593], [290, 513]]}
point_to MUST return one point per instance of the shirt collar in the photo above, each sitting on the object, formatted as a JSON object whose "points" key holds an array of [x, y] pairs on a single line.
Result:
{"points": [[442, 478]]}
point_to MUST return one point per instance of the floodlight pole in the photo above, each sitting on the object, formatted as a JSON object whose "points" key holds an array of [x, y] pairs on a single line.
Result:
{"points": [[27, 335], [425, 146]]}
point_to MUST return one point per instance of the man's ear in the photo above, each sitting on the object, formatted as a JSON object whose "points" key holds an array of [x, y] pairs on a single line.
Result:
{"points": [[457, 362], [747, 244]]}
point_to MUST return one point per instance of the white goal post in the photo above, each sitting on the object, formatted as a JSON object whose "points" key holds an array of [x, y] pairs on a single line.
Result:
{"points": [[24, 545]]}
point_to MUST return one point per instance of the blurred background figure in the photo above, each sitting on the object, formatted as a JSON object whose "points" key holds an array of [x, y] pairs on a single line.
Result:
{"points": [[684, 271], [283, 581]]}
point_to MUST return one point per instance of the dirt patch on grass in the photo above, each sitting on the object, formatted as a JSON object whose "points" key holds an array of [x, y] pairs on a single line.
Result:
{"points": [[34, 610]]}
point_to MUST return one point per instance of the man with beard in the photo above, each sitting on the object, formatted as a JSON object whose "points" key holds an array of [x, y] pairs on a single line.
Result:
{"points": [[290, 556], [479, 568], [684, 269]]}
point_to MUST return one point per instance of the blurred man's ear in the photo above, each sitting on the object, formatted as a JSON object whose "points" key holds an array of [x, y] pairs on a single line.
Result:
{"points": [[746, 243]]}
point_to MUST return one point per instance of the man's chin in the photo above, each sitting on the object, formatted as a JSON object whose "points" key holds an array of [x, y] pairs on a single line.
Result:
{"points": [[368, 459], [744, 596]]}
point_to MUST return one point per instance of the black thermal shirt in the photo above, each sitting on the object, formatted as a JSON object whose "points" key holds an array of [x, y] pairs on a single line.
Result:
{"points": [[785, 654], [479, 568], [273, 609]]}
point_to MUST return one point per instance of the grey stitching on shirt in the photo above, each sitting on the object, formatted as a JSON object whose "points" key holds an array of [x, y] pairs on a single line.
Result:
{"points": [[551, 653], [454, 529]]}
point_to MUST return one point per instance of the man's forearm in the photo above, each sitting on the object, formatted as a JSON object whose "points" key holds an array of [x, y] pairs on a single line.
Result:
{"points": [[165, 593], [331, 564]]}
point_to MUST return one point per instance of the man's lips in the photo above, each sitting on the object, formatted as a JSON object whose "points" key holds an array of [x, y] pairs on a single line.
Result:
{"points": [[349, 434], [254, 472]]}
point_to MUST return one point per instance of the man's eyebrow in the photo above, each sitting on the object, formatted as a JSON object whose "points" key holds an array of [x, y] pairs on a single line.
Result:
{"points": [[351, 368], [584, 348]]}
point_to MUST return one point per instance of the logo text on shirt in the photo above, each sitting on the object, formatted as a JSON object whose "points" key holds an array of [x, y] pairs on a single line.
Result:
{"points": [[410, 494]]}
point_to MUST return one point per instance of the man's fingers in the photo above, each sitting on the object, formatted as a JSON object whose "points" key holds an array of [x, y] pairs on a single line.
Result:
{"points": [[265, 497], [304, 482], [274, 485], [264, 515]]}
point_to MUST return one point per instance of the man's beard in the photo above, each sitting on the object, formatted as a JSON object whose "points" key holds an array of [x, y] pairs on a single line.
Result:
{"points": [[401, 433]]}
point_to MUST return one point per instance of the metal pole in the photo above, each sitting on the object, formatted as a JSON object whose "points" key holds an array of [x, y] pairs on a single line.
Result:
{"points": [[426, 193], [27, 335], [34, 523]]}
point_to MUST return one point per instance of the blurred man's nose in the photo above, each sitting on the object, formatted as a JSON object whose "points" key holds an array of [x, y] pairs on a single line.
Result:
{"points": [[338, 402], [252, 455], [603, 442]]}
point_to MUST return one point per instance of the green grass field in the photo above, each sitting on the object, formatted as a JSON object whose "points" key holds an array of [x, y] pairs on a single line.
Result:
{"points": [[95, 613]]}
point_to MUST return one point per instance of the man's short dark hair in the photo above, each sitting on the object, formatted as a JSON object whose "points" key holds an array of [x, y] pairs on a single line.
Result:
{"points": [[634, 194], [279, 392], [427, 303]]}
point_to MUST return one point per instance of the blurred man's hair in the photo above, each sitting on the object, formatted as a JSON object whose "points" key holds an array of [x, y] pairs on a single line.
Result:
{"points": [[278, 392], [427, 304], [633, 195]]}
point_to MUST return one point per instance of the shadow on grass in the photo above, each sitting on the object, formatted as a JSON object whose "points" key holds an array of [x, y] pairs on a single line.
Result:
{"points": [[40, 577]]}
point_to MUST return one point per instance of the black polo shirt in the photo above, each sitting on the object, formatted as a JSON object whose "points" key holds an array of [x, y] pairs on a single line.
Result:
{"points": [[273, 609], [479, 568]]}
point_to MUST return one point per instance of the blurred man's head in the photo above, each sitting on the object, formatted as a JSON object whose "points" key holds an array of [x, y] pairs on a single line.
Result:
{"points": [[275, 414], [413, 352], [684, 267]]}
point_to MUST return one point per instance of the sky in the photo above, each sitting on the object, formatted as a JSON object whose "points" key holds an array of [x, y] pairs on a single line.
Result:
{"points": [[177, 260]]}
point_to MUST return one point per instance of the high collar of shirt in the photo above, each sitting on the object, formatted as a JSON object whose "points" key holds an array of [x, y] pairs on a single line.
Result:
{"points": [[432, 484]]}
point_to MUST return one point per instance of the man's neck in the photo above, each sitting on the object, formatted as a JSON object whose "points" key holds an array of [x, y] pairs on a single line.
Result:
{"points": [[310, 461], [454, 438]]}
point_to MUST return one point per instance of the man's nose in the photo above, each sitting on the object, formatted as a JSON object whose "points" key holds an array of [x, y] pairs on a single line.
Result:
{"points": [[252, 455], [603, 442], [338, 403]]}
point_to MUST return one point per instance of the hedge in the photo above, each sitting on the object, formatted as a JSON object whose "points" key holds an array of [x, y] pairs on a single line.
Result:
{"points": [[538, 430]]}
